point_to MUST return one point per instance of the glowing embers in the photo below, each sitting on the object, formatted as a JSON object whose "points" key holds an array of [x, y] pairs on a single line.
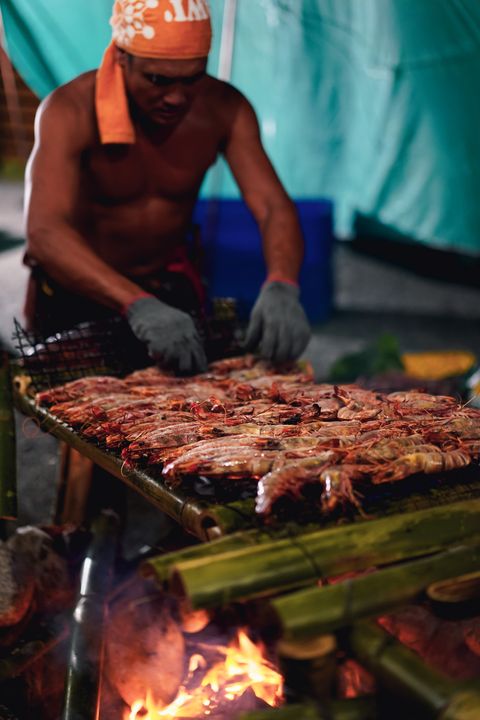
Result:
{"points": [[240, 677]]}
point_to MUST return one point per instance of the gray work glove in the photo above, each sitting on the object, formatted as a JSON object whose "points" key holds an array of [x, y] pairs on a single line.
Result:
{"points": [[278, 324], [169, 334]]}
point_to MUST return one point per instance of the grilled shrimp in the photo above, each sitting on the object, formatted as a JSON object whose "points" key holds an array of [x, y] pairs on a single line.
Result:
{"points": [[228, 365], [289, 479], [94, 385], [76, 412], [170, 436], [228, 462], [413, 403], [424, 459], [152, 375], [358, 404], [465, 426], [382, 450], [117, 433], [337, 485], [209, 447]]}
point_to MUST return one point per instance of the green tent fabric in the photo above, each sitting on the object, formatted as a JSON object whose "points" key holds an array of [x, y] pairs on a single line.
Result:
{"points": [[371, 103], [52, 41]]}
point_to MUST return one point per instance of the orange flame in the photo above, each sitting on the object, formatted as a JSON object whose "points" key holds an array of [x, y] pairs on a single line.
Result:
{"points": [[244, 667]]}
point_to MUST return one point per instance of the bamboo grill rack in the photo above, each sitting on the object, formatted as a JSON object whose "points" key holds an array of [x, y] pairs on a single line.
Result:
{"points": [[209, 520], [106, 348]]}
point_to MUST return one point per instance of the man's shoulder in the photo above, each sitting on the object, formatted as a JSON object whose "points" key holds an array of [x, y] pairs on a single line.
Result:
{"points": [[71, 106], [222, 90], [78, 94], [225, 99]]}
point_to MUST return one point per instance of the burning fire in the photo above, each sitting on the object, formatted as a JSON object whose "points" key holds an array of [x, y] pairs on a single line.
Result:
{"points": [[243, 668]]}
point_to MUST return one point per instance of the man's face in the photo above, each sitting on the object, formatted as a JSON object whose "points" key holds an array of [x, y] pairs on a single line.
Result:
{"points": [[163, 90]]}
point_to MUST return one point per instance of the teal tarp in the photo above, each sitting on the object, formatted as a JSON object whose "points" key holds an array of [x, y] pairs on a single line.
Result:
{"points": [[373, 103]]}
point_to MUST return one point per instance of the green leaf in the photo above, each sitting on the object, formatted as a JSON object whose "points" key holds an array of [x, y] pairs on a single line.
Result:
{"points": [[381, 356]]}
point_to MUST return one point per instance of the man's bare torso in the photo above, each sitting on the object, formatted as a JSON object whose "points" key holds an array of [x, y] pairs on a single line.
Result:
{"points": [[135, 201]]}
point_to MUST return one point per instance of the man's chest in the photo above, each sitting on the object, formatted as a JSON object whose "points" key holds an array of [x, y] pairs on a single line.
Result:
{"points": [[172, 170]]}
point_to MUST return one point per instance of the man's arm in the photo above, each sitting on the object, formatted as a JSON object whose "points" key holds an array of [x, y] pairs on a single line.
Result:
{"points": [[52, 195], [264, 194], [278, 326]]}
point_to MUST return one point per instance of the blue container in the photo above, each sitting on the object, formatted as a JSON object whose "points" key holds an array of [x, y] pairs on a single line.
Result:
{"points": [[234, 265]]}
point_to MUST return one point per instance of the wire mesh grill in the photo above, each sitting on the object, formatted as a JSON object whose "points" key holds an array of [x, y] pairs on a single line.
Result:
{"points": [[106, 347]]}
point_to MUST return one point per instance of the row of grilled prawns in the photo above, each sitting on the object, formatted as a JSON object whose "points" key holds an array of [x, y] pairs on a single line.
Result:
{"points": [[244, 419]]}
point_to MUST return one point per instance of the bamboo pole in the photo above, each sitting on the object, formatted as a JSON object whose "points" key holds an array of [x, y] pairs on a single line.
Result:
{"points": [[290, 563], [320, 610], [159, 567], [356, 709], [8, 462], [218, 520], [402, 671], [82, 688]]}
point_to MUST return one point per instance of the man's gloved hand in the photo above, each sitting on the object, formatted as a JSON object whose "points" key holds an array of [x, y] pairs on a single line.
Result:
{"points": [[278, 324], [169, 334]]}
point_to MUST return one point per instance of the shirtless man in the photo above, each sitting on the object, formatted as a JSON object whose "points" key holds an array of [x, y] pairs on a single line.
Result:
{"points": [[119, 158]]}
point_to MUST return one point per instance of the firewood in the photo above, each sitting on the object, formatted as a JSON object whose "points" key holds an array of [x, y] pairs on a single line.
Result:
{"points": [[17, 586], [145, 651]]}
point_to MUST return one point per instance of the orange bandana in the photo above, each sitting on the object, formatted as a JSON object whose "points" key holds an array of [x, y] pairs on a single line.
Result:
{"points": [[162, 29]]}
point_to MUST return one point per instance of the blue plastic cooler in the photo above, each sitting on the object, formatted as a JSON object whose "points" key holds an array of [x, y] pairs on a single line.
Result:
{"points": [[234, 265]]}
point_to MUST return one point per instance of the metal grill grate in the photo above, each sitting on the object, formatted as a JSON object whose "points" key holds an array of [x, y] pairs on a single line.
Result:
{"points": [[108, 347], [92, 348]]}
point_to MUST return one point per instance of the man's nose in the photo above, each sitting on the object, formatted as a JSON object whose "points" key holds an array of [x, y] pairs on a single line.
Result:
{"points": [[175, 96]]}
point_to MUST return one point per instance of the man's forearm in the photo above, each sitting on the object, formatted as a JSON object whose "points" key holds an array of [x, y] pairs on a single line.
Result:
{"points": [[65, 256], [283, 245]]}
